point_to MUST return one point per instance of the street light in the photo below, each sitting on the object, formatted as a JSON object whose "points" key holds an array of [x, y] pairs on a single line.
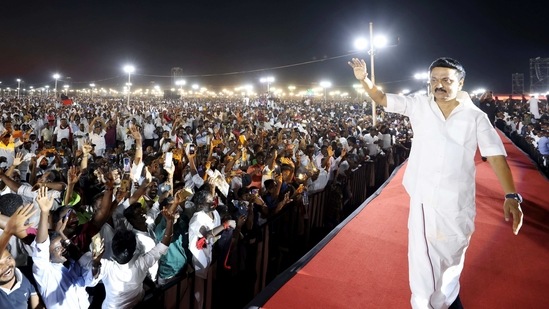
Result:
{"points": [[92, 85], [268, 80], [378, 42], [129, 69], [325, 84], [181, 83], [56, 76], [18, 86]]}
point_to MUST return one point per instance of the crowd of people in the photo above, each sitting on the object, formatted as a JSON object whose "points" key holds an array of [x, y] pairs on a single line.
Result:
{"points": [[129, 196]]}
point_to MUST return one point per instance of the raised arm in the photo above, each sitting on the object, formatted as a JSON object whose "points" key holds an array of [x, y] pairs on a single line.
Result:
{"points": [[138, 144], [45, 204], [361, 73], [16, 224], [72, 179]]}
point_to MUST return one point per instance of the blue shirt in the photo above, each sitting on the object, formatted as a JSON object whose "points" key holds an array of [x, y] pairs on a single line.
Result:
{"points": [[543, 145], [18, 297]]}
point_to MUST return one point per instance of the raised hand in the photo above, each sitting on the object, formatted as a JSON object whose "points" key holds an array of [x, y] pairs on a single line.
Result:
{"points": [[86, 149], [44, 201], [16, 223], [73, 176], [135, 133], [359, 68], [18, 159]]}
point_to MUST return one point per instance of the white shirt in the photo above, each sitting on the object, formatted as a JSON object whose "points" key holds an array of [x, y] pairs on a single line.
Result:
{"points": [[124, 283], [62, 133], [373, 148], [148, 131], [98, 140], [202, 257], [441, 168], [59, 286], [534, 108]]}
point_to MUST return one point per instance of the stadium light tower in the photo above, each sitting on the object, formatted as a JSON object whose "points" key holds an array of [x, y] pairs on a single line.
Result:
{"points": [[129, 69], [92, 85], [373, 43], [18, 86], [325, 85], [268, 80], [56, 76]]}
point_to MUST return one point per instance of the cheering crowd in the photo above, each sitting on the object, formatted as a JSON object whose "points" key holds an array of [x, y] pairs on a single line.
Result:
{"points": [[129, 196]]}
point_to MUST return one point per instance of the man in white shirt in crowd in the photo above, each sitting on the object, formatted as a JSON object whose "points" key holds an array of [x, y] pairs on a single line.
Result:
{"points": [[62, 131], [534, 107]]}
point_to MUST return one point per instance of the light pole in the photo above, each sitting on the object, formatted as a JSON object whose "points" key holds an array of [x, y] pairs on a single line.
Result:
{"points": [[18, 87], [56, 76], [268, 80], [181, 83], [325, 84], [379, 41], [129, 69], [92, 85]]}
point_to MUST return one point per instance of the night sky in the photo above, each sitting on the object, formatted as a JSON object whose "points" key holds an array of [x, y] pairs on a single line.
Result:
{"points": [[92, 40]]}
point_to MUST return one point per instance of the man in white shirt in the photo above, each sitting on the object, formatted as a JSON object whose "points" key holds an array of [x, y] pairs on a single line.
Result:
{"points": [[440, 178], [372, 140], [63, 130], [534, 107], [148, 132], [61, 281], [123, 275]]}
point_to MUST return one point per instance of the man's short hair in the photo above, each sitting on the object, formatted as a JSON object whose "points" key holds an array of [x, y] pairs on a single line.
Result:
{"points": [[203, 197], [446, 62], [130, 211], [9, 203], [123, 246]]}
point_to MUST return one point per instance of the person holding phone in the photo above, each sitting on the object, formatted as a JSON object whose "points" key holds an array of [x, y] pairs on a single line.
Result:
{"points": [[440, 178]]}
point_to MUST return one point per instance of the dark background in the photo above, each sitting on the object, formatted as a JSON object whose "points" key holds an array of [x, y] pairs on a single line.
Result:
{"points": [[92, 40]]}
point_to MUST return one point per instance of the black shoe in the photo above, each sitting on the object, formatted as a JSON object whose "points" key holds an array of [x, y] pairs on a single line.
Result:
{"points": [[456, 304], [484, 159]]}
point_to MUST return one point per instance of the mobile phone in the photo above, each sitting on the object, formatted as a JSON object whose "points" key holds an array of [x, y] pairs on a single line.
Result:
{"points": [[168, 159], [192, 148], [127, 166], [68, 214], [255, 191]]}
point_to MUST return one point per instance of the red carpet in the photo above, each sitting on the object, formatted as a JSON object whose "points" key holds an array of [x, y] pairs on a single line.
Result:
{"points": [[365, 264]]}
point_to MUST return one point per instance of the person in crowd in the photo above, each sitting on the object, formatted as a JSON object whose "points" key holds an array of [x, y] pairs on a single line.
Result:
{"points": [[302, 145], [16, 291], [123, 276], [533, 103], [456, 128], [488, 105], [60, 277]]}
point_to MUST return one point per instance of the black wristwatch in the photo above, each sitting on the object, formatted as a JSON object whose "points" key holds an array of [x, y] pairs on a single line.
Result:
{"points": [[515, 196]]}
